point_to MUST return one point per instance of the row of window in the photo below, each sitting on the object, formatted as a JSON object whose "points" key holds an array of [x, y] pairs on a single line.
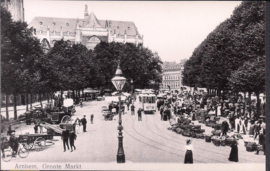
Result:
{"points": [[171, 77], [172, 84]]}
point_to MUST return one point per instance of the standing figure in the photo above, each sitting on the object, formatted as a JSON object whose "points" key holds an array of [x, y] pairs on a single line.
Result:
{"points": [[132, 109], [234, 152], [140, 114], [261, 142], [81, 103], [224, 128], [161, 112], [257, 128], [92, 118], [41, 129], [10, 131], [127, 102], [189, 155], [84, 122], [65, 135], [72, 138]]}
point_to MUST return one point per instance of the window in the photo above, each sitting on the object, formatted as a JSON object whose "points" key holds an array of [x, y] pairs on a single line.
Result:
{"points": [[53, 23], [67, 24], [40, 23]]}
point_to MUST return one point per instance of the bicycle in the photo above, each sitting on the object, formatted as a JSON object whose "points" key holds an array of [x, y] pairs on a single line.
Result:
{"points": [[22, 152]]}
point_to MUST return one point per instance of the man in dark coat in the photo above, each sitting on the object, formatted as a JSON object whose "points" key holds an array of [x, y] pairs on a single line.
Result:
{"points": [[161, 112], [132, 109], [92, 118], [224, 127], [65, 135], [140, 114], [10, 131], [261, 142], [72, 138], [84, 122]]}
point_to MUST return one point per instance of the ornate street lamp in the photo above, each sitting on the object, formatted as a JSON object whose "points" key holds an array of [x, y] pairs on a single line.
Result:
{"points": [[119, 81]]}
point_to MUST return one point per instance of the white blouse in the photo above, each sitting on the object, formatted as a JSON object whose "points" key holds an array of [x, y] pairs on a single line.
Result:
{"points": [[189, 147]]}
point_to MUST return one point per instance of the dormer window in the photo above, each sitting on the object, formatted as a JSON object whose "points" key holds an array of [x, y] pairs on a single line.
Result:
{"points": [[40, 31], [128, 28], [53, 23], [117, 27], [67, 24], [40, 23]]}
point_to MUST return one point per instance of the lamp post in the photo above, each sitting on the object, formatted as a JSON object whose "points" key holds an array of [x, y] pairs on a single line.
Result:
{"points": [[119, 81]]}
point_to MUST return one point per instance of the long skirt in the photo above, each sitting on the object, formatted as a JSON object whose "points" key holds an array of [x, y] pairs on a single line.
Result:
{"points": [[188, 157], [234, 154]]}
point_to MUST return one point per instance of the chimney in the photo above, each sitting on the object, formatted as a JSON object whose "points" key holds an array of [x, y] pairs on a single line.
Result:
{"points": [[61, 33]]}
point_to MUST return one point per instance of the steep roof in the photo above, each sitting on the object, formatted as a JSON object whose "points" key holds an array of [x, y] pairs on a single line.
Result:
{"points": [[69, 24], [92, 21]]}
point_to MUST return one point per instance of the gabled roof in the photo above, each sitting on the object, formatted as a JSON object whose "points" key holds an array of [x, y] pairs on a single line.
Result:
{"points": [[92, 21], [69, 24]]}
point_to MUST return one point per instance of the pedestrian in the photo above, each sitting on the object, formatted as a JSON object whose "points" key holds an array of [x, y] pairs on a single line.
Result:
{"points": [[127, 102], [224, 128], [132, 107], [92, 118], [81, 103], [72, 138], [140, 114], [10, 131], [257, 128], [36, 128], [65, 135], [261, 142], [77, 125], [234, 152], [161, 112], [189, 155], [41, 129], [84, 122]]}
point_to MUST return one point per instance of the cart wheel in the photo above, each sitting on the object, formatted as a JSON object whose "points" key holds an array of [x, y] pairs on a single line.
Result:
{"points": [[40, 144], [23, 152], [65, 119], [28, 146], [7, 155]]}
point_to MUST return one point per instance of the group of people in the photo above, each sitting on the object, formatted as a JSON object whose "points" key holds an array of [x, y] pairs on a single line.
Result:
{"points": [[186, 105]]}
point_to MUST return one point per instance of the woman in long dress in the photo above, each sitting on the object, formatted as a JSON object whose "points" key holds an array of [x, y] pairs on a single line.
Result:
{"points": [[189, 155], [234, 152]]}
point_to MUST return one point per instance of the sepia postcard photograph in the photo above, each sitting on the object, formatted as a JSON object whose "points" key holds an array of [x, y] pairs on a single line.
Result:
{"points": [[133, 85]]}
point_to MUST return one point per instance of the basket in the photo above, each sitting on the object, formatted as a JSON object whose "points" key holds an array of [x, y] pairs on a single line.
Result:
{"points": [[251, 146], [216, 133], [216, 142], [186, 134], [200, 135], [207, 138]]}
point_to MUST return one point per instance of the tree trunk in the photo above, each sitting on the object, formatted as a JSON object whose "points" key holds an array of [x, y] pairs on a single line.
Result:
{"points": [[258, 105], [249, 103], [31, 101], [40, 100], [48, 98], [73, 95], [7, 103], [15, 106], [245, 104], [26, 102]]}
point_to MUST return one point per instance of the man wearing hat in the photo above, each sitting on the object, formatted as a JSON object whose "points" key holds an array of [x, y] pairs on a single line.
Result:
{"points": [[84, 122]]}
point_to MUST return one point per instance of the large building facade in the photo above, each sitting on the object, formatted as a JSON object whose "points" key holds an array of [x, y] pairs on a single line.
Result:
{"points": [[89, 31], [172, 75], [15, 7]]}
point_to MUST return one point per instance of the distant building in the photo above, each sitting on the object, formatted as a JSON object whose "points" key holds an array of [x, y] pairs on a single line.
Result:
{"points": [[172, 75], [89, 31], [15, 7]]}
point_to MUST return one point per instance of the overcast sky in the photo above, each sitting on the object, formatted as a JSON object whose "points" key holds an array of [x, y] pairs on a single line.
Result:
{"points": [[173, 29]]}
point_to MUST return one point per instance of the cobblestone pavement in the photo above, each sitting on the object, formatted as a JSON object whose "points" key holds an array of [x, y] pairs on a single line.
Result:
{"points": [[146, 141]]}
